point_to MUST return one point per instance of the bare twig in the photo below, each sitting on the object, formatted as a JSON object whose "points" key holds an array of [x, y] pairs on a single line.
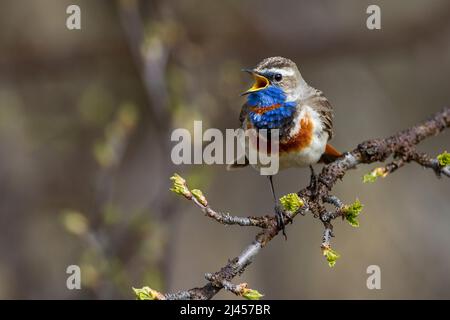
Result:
{"points": [[225, 218]]}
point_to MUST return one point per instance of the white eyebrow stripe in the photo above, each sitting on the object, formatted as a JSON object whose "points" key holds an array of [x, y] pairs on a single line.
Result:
{"points": [[283, 72]]}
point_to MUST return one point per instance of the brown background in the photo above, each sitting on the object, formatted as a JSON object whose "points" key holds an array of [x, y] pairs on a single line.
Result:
{"points": [[80, 184]]}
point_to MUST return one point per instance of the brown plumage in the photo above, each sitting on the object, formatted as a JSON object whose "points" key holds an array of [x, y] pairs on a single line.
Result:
{"points": [[301, 140], [320, 103], [281, 99]]}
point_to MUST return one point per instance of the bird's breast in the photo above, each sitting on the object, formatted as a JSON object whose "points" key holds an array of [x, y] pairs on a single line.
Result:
{"points": [[305, 142], [299, 136], [302, 144]]}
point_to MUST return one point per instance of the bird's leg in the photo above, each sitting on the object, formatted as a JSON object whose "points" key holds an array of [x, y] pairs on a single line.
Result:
{"points": [[313, 182], [278, 210]]}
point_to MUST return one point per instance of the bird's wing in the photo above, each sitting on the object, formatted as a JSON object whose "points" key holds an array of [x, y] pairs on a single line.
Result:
{"points": [[320, 103], [325, 110]]}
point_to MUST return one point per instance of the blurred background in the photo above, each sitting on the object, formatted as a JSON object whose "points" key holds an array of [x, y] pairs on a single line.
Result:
{"points": [[85, 123]]}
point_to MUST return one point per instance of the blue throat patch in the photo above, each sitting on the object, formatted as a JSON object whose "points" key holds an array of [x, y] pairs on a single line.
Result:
{"points": [[271, 96]]}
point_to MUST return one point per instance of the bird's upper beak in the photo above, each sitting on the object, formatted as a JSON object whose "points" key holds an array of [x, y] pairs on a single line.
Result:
{"points": [[261, 82]]}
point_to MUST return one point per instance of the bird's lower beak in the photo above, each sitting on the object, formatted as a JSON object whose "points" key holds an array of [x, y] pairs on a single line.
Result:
{"points": [[261, 82]]}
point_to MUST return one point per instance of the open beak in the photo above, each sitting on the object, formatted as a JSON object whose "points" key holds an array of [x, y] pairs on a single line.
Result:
{"points": [[261, 82]]}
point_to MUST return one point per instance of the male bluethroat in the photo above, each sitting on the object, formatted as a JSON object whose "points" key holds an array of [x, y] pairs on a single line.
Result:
{"points": [[281, 99]]}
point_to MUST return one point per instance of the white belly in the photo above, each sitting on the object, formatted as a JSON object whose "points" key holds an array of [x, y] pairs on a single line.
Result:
{"points": [[307, 156]]}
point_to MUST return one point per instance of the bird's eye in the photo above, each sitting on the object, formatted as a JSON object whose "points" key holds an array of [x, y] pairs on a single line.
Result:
{"points": [[278, 77]]}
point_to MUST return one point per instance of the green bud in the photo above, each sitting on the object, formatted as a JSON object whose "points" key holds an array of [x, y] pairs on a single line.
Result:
{"points": [[444, 159], [352, 211], [374, 174], [331, 256], [291, 202], [198, 194], [179, 186], [147, 293], [369, 178], [251, 294]]}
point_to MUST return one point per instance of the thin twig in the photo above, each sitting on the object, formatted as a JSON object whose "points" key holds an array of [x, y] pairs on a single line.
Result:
{"points": [[225, 218]]}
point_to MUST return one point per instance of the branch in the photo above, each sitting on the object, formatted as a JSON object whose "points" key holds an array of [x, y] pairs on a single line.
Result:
{"points": [[439, 167], [314, 197], [180, 187]]}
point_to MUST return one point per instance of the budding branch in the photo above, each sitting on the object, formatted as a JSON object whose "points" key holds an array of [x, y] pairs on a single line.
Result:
{"points": [[401, 147]]}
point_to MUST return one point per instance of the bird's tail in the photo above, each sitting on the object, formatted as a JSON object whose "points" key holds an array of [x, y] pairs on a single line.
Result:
{"points": [[330, 154]]}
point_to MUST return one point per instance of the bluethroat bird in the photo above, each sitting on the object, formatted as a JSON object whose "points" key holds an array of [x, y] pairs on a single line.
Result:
{"points": [[281, 99]]}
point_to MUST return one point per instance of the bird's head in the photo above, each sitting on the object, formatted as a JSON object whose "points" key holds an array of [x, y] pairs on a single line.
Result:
{"points": [[278, 72]]}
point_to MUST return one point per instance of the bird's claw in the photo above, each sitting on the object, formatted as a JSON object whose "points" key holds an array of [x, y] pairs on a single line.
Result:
{"points": [[281, 216]]}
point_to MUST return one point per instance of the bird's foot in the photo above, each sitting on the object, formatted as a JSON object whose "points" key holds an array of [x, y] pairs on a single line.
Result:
{"points": [[282, 219]]}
